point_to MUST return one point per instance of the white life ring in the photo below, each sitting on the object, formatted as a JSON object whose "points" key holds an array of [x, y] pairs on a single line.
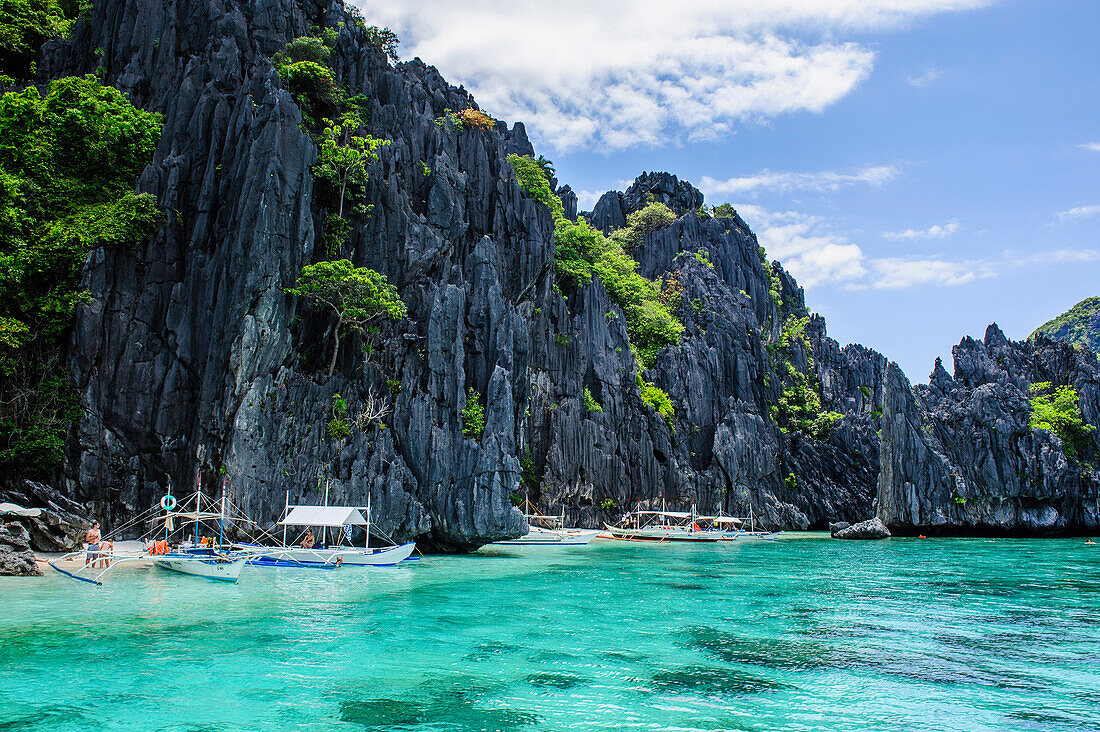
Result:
{"points": [[168, 502]]}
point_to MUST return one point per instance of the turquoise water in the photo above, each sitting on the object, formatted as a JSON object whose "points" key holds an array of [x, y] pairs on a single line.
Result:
{"points": [[802, 634]]}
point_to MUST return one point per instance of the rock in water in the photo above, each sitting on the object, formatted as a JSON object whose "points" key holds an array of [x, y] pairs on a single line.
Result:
{"points": [[16, 557], [869, 529], [838, 526]]}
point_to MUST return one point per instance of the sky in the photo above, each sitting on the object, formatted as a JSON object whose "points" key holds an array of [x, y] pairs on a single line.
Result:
{"points": [[922, 167]]}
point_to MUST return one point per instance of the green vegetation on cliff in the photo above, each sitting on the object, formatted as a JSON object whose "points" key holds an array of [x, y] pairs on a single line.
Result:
{"points": [[68, 164], [355, 295], [26, 24], [341, 173], [1080, 325], [583, 251], [800, 401], [1058, 410]]}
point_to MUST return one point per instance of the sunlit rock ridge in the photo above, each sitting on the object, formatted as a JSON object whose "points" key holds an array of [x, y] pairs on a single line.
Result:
{"points": [[192, 362]]}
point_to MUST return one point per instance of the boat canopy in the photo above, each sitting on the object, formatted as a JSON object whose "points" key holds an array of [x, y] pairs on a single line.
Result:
{"points": [[722, 520], [670, 514], [194, 515], [324, 516]]}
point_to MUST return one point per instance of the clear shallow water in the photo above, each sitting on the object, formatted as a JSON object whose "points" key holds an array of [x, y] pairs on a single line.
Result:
{"points": [[802, 634]]}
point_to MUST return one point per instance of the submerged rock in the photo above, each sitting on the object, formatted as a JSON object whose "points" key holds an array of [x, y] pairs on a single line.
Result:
{"points": [[870, 529]]}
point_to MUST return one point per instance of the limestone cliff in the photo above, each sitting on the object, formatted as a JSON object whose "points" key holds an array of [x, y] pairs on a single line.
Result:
{"points": [[194, 364], [958, 455]]}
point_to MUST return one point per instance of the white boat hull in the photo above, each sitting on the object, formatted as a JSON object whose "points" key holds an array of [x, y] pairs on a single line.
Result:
{"points": [[546, 537], [333, 557], [759, 535], [661, 534], [215, 568]]}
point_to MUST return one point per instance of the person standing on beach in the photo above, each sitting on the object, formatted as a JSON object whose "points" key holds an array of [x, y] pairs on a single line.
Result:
{"points": [[92, 538], [98, 550]]}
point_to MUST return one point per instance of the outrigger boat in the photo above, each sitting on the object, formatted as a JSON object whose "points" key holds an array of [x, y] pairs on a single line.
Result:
{"points": [[752, 533], [214, 561], [549, 530], [323, 555], [201, 559], [726, 527], [660, 526]]}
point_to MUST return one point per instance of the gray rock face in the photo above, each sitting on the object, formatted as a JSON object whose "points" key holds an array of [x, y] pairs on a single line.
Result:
{"points": [[16, 557], [55, 522], [958, 455], [872, 528], [613, 207], [194, 365]]}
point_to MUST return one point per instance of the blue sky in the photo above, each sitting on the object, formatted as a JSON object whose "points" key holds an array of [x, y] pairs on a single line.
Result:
{"points": [[924, 167]]}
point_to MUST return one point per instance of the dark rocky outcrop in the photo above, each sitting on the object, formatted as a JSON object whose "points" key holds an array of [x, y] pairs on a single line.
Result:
{"points": [[958, 454], [193, 364], [54, 521], [16, 557], [611, 210], [872, 528]]}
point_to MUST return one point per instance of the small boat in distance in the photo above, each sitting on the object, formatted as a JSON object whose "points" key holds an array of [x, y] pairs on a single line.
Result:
{"points": [[660, 527], [548, 530], [753, 533]]}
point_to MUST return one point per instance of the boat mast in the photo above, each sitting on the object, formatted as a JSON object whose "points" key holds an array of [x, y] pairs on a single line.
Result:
{"points": [[167, 513], [286, 510], [324, 529], [366, 541], [221, 517], [198, 497]]}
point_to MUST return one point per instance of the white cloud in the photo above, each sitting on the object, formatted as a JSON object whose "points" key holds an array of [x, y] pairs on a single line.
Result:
{"points": [[1080, 212], [924, 79], [897, 273], [816, 255], [617, 74], [1090, 146], [936, 231], [820, 181], [1058, 256], [587, 199]]}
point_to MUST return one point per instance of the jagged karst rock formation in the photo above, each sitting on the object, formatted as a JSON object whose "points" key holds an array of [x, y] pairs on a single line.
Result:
{"points": [[958, 454], [16, 557], [193, 364], [54, 522], [611, 210]]}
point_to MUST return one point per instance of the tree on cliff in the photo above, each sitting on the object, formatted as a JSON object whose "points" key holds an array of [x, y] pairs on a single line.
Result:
{"points": [[344, 157], [356, 295], [68, 163], [1058, 410], [25, 25]]}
